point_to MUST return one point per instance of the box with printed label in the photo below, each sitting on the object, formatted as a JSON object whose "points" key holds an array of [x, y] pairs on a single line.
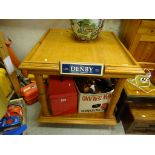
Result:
{"points": [[94, 94], [93, 102]]}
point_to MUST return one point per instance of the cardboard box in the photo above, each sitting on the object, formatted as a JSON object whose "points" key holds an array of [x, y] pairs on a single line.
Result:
{"points": [[93, 102]]}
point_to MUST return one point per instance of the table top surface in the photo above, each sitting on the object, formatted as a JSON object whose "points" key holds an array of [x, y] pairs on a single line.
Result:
{"points": [[60, 45]]}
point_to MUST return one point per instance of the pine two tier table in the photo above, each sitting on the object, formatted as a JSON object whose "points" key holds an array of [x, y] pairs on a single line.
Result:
{"points": [[58, 47]]}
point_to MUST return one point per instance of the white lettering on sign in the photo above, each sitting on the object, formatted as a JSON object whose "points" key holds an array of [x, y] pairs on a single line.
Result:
{"points": [[81, 69]]}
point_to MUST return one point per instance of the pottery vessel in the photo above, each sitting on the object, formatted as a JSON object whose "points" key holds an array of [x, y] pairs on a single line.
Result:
{"points": [[86, 29]]}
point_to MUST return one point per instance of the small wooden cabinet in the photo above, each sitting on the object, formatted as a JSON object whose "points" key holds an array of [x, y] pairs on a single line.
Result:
{"points": [[139, 38], [136, 109], [139, 119]]}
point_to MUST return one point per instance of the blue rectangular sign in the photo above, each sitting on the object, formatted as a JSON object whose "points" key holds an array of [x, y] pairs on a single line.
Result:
{"points": [[82, 69]]}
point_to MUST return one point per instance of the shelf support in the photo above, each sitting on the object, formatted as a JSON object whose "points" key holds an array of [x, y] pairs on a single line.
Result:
{"points": [[42, 94], [115, 98]]}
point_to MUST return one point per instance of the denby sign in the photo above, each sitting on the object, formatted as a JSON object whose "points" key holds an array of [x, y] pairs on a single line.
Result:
{"points": [[81, 69]]}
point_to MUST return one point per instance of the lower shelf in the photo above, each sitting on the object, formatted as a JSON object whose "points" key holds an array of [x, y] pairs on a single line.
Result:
{"points": [[79, 118]]}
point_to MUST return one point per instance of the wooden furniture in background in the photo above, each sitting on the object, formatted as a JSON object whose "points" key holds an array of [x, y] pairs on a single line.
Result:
{"points": [[60, 45], [3, 54], [138, 113], [139, 38], [152, 79], [136, 108], [139, 119]]}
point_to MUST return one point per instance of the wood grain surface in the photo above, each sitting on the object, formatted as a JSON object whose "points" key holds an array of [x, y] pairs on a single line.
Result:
{"points": [[60, 45], [139, 38], [79, 118]]}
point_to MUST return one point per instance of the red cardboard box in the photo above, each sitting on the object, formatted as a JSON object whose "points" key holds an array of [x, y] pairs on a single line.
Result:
{"points": [[30, 93], [62, 95]]}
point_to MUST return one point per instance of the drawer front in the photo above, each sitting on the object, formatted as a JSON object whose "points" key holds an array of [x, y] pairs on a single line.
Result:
{"points": [[146, 30], [148, 105], [142, 127], [147, 27]]}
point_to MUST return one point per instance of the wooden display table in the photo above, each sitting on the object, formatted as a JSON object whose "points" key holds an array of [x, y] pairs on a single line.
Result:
{"points": [[60, 46]]}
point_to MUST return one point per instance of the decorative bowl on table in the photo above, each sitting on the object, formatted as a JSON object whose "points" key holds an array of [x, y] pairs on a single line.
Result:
{"points": [[86, 29]]}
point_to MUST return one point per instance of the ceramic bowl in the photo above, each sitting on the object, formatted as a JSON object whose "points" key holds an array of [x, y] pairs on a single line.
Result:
{"points": [[86, 29]]}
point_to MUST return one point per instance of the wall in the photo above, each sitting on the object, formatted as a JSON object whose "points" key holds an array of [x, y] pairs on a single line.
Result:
{"points": [[26, 32]]}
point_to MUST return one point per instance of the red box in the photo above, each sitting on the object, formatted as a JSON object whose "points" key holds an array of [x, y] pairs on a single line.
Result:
{"points": [[62, 96], [30, 93]]}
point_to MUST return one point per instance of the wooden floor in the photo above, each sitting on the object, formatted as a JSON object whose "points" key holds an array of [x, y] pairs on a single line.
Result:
{"points": [[79, 118]]}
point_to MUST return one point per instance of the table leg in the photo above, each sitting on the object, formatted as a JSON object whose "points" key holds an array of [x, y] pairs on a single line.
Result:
{"points": [[115, 98], [42, 94]]}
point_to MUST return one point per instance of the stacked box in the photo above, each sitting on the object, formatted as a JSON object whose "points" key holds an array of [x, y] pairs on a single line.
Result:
{"points": [[62, 96]]}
